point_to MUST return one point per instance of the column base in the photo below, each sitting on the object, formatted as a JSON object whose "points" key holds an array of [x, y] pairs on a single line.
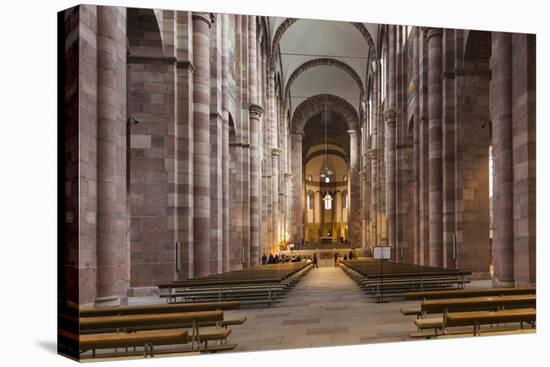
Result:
{"points": [[108, 301], [143, 291]]}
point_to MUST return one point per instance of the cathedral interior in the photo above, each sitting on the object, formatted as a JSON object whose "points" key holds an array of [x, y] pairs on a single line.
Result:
{"points": [[198, 145]]}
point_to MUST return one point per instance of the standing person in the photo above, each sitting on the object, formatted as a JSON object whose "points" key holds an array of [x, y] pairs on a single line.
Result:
{"points": [[264, 259], [336, 259], [315, 265]]}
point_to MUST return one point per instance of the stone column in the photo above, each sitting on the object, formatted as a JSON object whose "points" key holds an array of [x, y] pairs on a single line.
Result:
{"points": [[503, 200], [389, 146], [275, 153], [112, 226], [201, 137], [225, 145], [372, 154], [296, 235], [374, 196], [416, 148], [225, 198], [354, 201], [255, 114], [434, 36], [524, 142], [287, 208], [448, 152]]}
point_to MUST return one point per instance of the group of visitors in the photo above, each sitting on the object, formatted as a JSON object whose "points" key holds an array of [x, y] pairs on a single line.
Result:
{"points": [[279, 259], [315, 261]]}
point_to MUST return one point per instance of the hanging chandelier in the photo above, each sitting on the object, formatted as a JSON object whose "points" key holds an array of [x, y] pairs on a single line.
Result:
{"points": [[326, 172]]}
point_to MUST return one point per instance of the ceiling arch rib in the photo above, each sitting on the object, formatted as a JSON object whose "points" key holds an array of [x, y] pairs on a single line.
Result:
{"points": [[324, 62], [325, 80], [311, 39], [320, 103]]}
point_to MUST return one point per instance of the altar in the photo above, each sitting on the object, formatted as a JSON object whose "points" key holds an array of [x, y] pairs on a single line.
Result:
{"points": [[326, 239]]}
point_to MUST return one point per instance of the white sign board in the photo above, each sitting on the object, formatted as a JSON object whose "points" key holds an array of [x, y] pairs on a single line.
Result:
{"points": [[291, 245], [381, 252]]}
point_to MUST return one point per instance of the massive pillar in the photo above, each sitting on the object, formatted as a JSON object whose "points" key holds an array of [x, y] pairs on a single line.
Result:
{"points": [[503, 200], [275, 154], [225, 144], [373, 155], [354, 201], [225, 196], [448, 148], [389, 146], [112, 255], [255, 113], [201, 137], [524, 138], [434, 36], [296, 168], [416, 148]]}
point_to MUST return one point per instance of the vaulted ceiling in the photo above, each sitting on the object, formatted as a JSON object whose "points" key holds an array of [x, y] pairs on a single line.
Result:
{"points": [[323, 57]]}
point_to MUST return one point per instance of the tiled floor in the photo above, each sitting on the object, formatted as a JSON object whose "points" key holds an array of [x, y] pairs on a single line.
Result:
{"points": [[325, 309]]}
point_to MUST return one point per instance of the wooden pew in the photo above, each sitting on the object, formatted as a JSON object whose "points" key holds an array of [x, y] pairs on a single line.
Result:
{"points": [[460, 293], [147, 340], [161, 308], [161, 321], [447, 306], [259, 285], [397, 278], [476, 319]]}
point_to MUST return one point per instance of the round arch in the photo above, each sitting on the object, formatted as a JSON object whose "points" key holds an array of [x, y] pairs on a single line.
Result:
{"points": [[322, 62], [320, 103], [283, 27]]}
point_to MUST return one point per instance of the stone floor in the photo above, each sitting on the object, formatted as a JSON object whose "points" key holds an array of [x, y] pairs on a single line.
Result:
{"points": [[326, 308]]}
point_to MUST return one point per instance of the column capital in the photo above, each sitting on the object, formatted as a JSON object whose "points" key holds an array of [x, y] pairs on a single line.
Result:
{"points": [[297, 134], [389, 115], [430, 32], [351, 131], [208, 18], [255, 110], [275, 152]]}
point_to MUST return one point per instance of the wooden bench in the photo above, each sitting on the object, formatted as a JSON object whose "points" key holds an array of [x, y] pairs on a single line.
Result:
{"points": [[156, 309], [157, 321], [396, 278], [264, 284], [147, 340], [411, 311], [459, 293], [447, 306], [461, 333], [476, 319], [462, 293]]}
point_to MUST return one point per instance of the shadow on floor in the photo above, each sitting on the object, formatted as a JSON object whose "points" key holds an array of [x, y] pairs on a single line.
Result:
{"points": [[48, 345]]}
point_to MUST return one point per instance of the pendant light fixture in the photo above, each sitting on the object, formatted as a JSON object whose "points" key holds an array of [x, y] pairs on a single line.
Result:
{"points": [[326, 172]]}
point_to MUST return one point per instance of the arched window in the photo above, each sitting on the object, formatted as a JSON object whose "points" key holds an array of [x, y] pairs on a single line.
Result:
{"points": [[328, 201], [345, 199], [310, 200]]}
